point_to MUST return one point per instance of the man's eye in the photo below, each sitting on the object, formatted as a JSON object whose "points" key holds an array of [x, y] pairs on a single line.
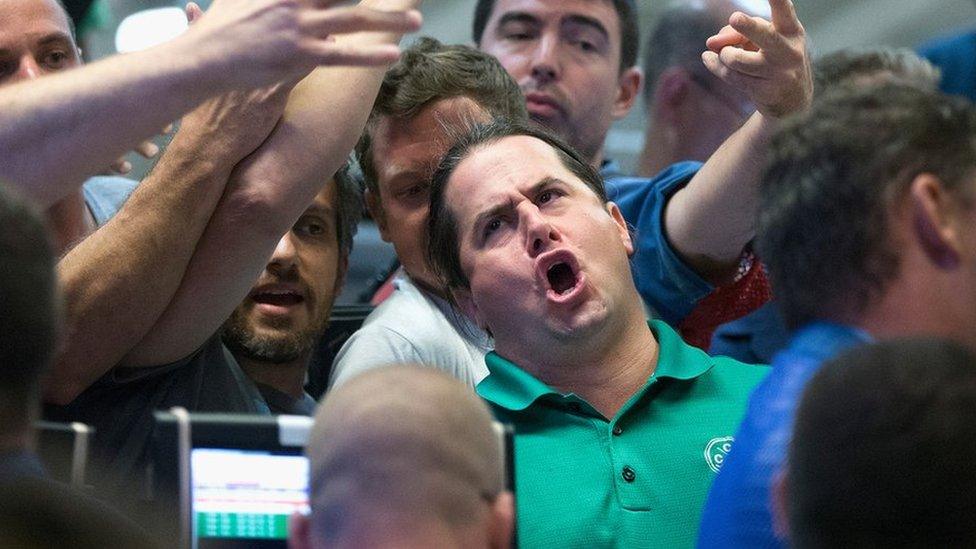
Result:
{"points": [[310, 228], [546, 197], [55, 59], [586, 46], [492, 226], [414, 191]]}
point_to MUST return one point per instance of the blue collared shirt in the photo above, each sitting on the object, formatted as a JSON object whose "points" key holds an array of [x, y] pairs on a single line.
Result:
{"points": [[737, 512], [666, 284], [956, 57]]}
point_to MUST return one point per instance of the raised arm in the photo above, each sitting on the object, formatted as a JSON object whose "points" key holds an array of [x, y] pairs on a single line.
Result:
{"points": [[712, 219], [117, 282], [81, 120], [268, 192]]}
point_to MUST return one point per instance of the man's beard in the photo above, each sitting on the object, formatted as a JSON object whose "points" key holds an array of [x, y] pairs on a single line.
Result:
{"points": [[278, 348]]}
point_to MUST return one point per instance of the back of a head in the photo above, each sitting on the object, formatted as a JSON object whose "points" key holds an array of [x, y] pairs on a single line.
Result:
{"points": [[400, 446], [678, 40], [874, 66], [832, 177], [429, 71], [28, 325], [882, 450]]}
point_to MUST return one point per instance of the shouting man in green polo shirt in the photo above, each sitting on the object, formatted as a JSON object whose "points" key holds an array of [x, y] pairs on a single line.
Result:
{"points": [[620, 426]]}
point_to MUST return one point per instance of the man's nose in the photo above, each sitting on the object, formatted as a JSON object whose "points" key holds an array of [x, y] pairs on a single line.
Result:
{"points": [[545, 61], [539, 232], [28, 69], [285, 256]]}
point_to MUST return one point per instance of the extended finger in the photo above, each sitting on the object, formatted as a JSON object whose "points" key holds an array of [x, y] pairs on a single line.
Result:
{"points": [[727, 36], [359, 19], [330, 53], [753, 63], [784, 17], [744, 82], [756, 29]]}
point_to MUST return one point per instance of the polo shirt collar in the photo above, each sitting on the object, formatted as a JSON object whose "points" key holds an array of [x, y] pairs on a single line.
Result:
{"points": [[512, 388]]}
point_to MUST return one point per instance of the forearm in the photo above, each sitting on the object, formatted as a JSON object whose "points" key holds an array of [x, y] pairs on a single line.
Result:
{"points": [[323, 119], [81, 120], [117, 282], [711, 220]]}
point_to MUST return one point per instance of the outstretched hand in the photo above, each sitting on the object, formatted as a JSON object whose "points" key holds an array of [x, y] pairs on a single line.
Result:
{"points": [[768, 60], [263, 42]]}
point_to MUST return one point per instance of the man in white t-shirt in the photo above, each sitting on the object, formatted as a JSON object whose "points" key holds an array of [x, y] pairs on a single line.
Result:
{"points": [[430, 90]]}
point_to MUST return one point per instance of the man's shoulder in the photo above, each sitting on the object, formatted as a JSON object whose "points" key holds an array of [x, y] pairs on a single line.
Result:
{"points": [[674, 175], [410, 327]]}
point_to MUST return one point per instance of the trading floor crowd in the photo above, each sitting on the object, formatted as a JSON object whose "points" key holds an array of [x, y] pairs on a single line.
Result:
{"points": [[762, 338]]}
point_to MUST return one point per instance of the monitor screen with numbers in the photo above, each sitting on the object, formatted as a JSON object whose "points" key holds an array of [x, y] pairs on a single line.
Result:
{"points": [[245, 497], [228, 480]]}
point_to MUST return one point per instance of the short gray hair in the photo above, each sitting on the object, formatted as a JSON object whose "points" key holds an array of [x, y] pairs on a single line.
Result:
{"points": [[853, 66]]}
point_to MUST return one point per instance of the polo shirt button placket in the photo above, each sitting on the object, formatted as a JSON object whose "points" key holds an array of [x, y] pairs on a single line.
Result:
{"points": [[628, 474], [617, 431]]}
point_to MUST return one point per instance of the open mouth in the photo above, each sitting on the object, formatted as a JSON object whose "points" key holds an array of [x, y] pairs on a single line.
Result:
{"points": [[561, 278], [278, 298]]}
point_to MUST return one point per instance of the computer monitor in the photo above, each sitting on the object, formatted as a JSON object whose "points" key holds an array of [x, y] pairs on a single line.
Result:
{"points": [[230, 481]]}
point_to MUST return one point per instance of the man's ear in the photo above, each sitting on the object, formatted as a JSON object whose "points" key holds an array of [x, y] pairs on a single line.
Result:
{"points": [[502, 521], [935, 220], [465, 304], [670, 94], [618, 218], [375, 208], [628, 87], [299, 531]]}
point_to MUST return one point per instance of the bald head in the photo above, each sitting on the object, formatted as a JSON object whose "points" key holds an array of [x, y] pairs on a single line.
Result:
{"points": [[403, 446]]}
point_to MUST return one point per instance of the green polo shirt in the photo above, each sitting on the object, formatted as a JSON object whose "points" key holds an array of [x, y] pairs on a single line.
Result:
{"points": [[638, 479]]}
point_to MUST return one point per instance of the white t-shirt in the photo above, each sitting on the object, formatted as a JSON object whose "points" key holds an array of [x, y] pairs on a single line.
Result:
{"points": [[417, 327]]}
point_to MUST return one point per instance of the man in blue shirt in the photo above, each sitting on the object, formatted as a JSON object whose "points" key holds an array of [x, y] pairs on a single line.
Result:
{"points": [[866, 221], [956, 57], [575, 61]]}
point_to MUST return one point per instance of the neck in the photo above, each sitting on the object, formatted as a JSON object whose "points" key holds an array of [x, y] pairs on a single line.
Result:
{"points": [[923, 304], [289, 377], [70, 221], [658, 152], [605, 368]]}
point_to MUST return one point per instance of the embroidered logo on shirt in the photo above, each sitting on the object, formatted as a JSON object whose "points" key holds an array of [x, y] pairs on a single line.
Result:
{"points": [[716, 451]]}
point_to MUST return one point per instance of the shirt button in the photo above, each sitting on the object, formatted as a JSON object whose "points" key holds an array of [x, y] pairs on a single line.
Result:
{"points": [[628, 474], [617, 431]]}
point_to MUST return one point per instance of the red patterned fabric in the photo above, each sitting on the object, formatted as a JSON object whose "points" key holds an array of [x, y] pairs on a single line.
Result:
{"points": [[750, 291]]}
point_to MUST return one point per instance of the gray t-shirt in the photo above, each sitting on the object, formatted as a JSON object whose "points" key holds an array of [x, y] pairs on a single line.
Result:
{"points": [[414, 326], [120, 406]]}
